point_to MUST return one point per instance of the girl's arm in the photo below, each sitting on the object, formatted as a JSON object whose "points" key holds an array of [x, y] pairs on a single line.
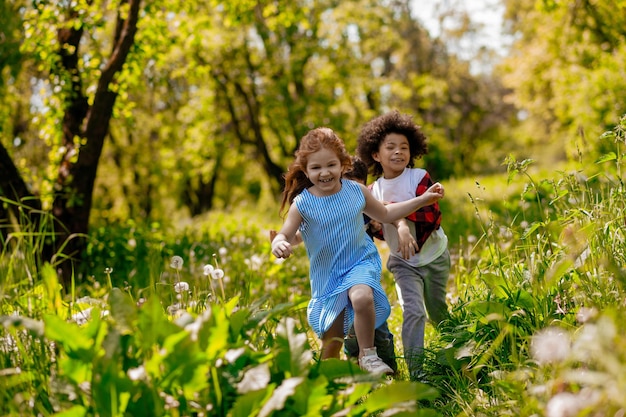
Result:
{"points": [[395, 211], [281, 248]]}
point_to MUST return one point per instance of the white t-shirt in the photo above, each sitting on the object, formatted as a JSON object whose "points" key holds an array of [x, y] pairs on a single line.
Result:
{"points": [[403, 188]]}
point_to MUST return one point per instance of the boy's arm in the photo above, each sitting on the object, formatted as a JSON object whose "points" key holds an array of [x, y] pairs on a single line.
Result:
{"points": [[407, 245]]}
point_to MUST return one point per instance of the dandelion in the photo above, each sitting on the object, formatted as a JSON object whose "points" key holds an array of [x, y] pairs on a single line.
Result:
{"points": [[208, 272], [550, 345], [218, 274], [181, 286], [586, 314], [136, 374], [82, 317], [222, 251], [108, 271], [177, 262], [255, 262]]}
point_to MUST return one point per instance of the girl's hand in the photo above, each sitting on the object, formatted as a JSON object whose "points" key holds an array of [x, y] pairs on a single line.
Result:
{"points": [[434, 193], [281, 248]]}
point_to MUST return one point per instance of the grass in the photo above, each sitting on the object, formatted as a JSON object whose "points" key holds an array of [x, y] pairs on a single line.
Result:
{"points": [[537, 296]]}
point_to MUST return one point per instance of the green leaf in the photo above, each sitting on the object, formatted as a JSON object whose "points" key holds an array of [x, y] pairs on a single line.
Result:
{"points": [[393, 394], [611, 156], [75, 411], [123, 311]]}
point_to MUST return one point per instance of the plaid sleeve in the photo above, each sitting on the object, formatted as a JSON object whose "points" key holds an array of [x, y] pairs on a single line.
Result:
{"points": [[427, 219]]}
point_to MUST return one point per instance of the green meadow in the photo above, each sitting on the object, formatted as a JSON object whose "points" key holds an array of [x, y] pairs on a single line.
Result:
{"points": [[201, 320]]}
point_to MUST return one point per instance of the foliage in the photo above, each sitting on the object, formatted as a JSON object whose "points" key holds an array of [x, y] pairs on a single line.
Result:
{"points": [[567, 72], [220, 329]]}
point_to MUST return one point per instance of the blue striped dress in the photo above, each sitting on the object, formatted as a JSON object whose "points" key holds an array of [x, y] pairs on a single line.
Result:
{"points": [[341, 255]]}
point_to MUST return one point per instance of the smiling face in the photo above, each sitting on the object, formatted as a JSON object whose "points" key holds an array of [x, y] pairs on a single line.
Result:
{"points": [[394, 154], [324, 170]]}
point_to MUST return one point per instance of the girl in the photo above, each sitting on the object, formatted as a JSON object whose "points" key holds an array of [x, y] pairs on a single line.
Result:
{"points": [[344, 266]]}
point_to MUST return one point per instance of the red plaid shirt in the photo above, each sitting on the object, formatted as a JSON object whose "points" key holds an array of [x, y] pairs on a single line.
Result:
{"points": [[427, 219]]}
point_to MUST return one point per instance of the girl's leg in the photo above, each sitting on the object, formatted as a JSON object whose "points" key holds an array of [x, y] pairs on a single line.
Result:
{"points": [[332, 340], [362, 299]]}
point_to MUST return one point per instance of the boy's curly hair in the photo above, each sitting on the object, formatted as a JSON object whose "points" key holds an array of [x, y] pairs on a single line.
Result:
{"points": [[374, 132]]}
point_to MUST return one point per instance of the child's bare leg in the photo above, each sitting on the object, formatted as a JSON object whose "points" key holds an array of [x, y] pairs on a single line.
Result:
{"points": [[332, 340], [362, 299]]}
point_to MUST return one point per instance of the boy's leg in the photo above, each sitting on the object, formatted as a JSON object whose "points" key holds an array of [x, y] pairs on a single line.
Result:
{"points": [[383, 340], [436, 275], [350, 344], [410, 288]]}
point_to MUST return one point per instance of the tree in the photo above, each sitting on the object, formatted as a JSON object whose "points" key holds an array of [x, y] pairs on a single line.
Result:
{"points": [[566, 70], [84, 120]]}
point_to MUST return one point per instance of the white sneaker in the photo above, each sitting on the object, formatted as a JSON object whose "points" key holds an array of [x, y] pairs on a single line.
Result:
{"points": [[370, 362]]}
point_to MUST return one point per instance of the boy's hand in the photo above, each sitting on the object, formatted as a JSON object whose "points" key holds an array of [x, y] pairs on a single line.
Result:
{"points": [[407, 245]]}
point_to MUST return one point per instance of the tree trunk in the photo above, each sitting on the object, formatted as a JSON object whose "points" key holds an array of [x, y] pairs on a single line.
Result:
{"points": [[77, 175]]}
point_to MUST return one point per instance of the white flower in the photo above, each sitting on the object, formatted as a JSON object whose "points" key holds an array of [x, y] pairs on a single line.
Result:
{"points": [[586, 314], [177, 262], [217, 273], [222, 251], [181, 286], [137, 373], [255, 262], [550, 345], [82, 317], [208, 269]]}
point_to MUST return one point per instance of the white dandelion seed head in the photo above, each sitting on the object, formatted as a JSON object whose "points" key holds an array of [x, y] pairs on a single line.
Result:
{"points": [[585, 314], [181, 286], [108, 270], [136, 374], [208, 269], [217, 273], [255, 262], [222, 251], [82, 317], [471, 239], [550, 345], [177, 262]]}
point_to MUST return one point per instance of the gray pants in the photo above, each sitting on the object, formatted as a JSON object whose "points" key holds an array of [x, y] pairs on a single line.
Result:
{"points": [[421, 290]]}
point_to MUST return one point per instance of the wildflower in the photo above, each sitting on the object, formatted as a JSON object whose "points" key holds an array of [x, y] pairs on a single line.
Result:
{"points": [[217, 273], [222, 251], [82, 317], [176, 262], [586, 314], [181, 286], [550, 345], [567, 404], [208, 269], [255, 262], [136, 374]]}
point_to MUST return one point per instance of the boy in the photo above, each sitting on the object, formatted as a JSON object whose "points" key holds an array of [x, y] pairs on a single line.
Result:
{"points": [[419, 259]]}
